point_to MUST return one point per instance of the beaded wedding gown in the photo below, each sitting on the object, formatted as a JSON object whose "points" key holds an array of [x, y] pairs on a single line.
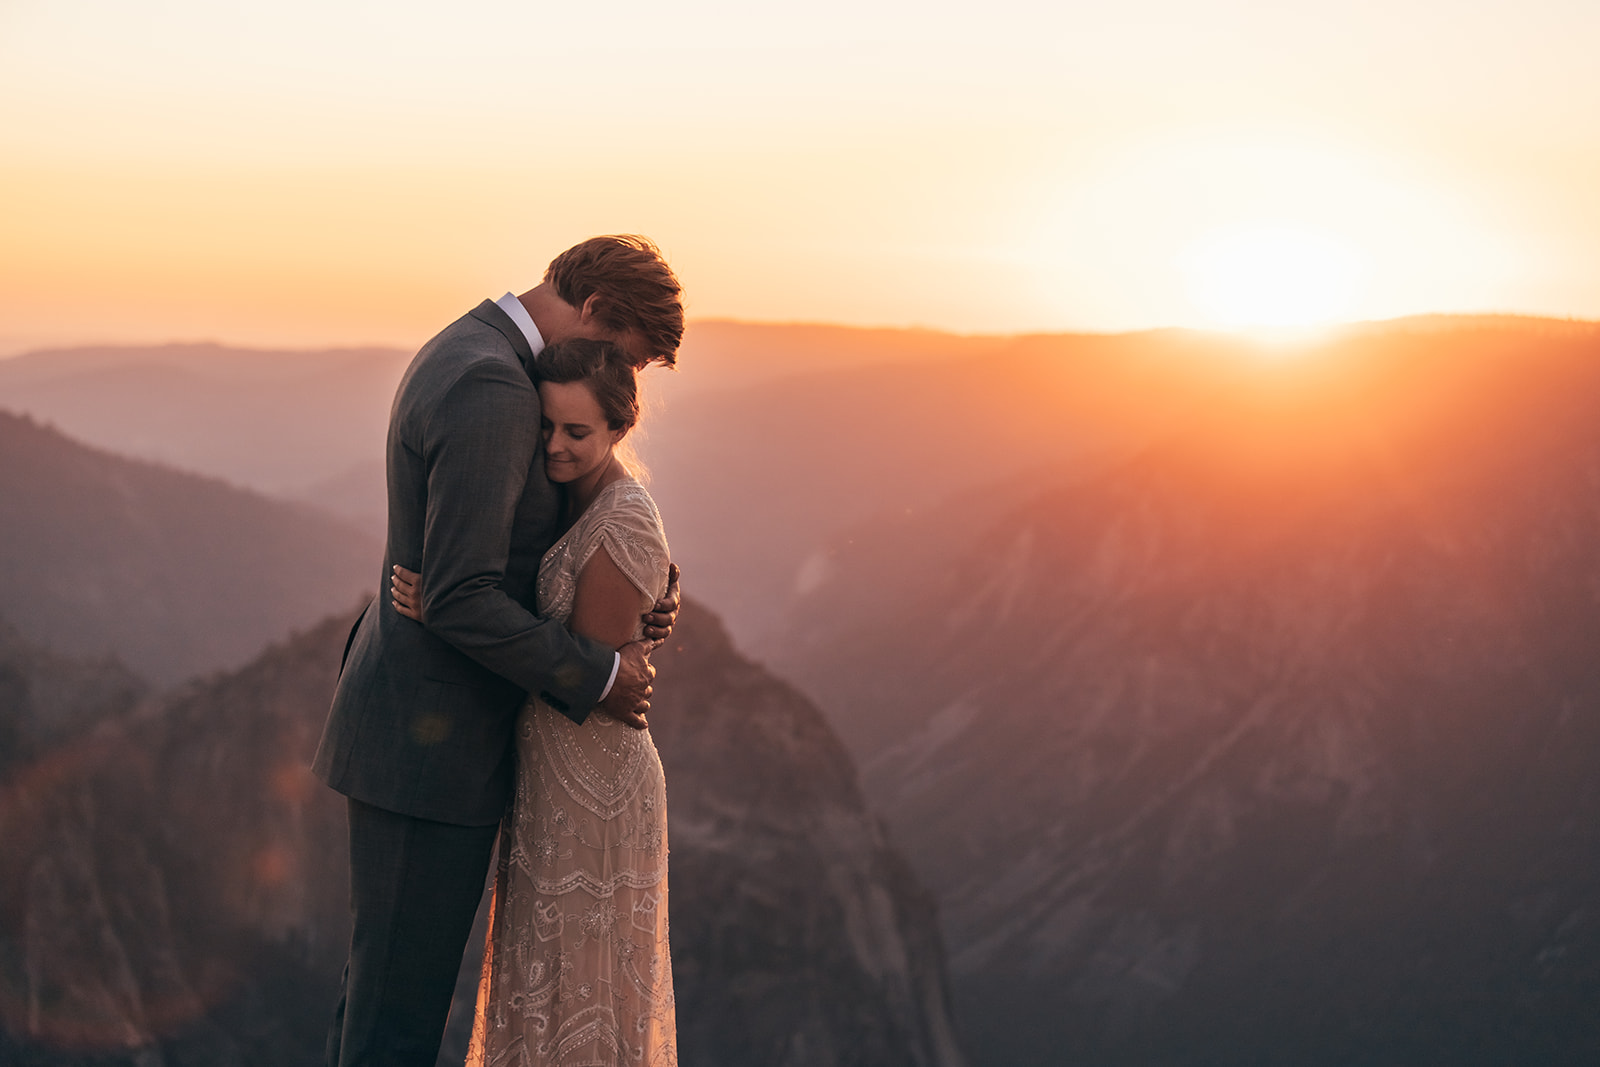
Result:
{"points": [[576, 970]]}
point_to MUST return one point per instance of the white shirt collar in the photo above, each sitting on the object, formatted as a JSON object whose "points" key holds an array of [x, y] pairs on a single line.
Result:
{"points": [[519, 315]]}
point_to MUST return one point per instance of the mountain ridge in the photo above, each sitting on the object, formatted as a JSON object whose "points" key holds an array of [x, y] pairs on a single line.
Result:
{"points": [[175, 573], [1293, 717]]}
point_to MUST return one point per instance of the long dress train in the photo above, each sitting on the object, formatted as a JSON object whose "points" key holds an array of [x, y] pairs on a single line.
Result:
{"points": [[577, 969]]}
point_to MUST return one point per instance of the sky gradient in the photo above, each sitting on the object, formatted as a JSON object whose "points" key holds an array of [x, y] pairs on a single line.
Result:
{"points": [[346, 172]]}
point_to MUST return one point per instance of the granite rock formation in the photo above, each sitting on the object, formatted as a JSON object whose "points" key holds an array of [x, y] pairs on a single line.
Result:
{"points": [[174, 889]]}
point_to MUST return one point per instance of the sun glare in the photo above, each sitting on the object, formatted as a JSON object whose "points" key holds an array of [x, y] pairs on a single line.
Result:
{"points": [[1272, 276]]}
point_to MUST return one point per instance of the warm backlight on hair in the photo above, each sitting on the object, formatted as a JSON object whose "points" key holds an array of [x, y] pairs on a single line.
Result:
{"points": [[1271, 276]]}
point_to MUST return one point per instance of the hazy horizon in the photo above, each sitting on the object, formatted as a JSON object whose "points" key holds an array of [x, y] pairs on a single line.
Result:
{"points": [[12, 347]]}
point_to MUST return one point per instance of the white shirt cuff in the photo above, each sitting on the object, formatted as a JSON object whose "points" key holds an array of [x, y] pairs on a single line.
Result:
{"points": [[616, 665]]}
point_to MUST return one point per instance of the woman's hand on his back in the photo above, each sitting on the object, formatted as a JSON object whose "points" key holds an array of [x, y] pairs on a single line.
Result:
{"points": [[405, 592]]}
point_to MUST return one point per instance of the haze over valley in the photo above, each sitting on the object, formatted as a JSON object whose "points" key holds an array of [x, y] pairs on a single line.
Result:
{"points": [[1222, 702]]}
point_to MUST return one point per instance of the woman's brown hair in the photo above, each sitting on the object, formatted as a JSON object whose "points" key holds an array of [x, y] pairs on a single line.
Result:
{"points": [[604, 367]]}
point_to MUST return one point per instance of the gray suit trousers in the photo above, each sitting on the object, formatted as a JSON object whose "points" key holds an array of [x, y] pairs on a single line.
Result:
{"points": [[414, 890]]}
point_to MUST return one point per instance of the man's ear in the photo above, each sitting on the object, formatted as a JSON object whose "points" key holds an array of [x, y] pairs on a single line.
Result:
{"points": [[591, 308]]}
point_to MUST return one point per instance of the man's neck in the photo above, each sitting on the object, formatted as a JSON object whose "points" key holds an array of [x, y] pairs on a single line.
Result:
{"points": [[552, 315]]}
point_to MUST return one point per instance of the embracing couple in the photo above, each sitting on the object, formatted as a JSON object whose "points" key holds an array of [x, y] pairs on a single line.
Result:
{"points": [[499, 689]]}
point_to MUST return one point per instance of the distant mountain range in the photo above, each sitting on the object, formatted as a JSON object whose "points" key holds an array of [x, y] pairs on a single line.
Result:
{"points": [[1278, 742], [833, 425], [1237, 705], [309, 425], [173, 573], [273, 421]]}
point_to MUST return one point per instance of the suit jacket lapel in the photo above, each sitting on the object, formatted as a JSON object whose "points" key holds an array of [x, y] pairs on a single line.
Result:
{"points": [[489, 312]]}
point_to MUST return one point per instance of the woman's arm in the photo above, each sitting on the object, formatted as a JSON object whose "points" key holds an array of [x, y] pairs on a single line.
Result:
{"points": [[606, 605], [407, 599]]}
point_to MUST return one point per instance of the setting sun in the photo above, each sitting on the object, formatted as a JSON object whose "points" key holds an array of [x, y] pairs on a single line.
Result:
{"points": [[291, 173], [1271, 275]]}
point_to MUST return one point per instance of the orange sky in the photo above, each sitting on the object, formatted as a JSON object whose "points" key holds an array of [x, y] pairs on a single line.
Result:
{"points": [[346, 172]]}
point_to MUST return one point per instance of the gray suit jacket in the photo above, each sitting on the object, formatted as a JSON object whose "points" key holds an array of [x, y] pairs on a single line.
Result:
{"points": [[422, 718]]}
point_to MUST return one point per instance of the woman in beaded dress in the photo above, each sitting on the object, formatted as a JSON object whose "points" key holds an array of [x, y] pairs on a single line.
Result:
{"points": [[576, 970]]}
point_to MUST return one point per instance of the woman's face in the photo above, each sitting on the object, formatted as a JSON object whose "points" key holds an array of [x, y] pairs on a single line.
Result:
{"points": [[577, 440]]}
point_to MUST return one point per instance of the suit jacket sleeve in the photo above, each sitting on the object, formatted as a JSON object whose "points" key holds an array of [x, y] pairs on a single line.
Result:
{"points": [[478, 444]]}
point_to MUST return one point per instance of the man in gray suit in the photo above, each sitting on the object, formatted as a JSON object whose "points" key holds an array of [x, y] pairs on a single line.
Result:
{"points": [[419, 735]]}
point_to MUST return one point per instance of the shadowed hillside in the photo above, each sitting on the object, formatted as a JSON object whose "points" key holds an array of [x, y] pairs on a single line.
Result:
{"points": [[173, 573], [174, 885], [50, 699], [1278, 743]]}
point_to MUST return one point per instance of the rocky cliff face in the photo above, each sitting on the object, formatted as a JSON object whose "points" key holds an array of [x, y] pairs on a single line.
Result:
{"points": [[173, 887], [799, 935], [174, 890], [1280, 744]]}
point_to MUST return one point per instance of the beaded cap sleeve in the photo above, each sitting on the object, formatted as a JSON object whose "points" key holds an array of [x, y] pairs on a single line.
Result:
{"points": [[623, 521]]}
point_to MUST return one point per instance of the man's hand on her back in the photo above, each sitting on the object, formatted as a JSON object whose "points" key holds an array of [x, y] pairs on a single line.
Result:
{"points": [[629, 699], [659, 620]]}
